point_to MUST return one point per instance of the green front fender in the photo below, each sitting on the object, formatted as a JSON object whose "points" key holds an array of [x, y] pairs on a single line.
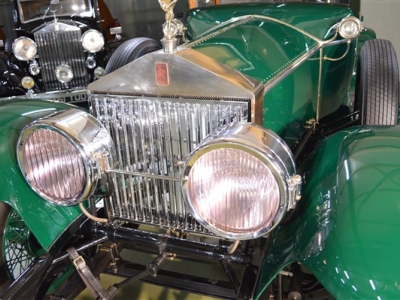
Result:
{"points": [[46, 221], [346, 227]]}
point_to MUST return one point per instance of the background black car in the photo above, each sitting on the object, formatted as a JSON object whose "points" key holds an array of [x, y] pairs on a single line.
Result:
{"points": [[55, 47]]}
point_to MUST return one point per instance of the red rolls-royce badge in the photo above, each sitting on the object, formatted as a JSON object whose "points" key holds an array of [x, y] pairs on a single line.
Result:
{"points": [[162, 76]]}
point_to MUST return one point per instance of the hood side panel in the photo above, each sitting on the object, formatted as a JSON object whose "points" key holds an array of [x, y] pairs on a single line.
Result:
{"points": [[259, 48], [314, 18], [262, 48]]}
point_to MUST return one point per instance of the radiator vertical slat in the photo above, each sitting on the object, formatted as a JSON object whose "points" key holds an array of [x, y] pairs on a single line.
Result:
{"points": [[61, 47], [154, 136]]}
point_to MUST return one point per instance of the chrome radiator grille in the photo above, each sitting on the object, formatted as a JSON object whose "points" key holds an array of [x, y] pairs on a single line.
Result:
{"points": [[153, 137], [57, 48]]}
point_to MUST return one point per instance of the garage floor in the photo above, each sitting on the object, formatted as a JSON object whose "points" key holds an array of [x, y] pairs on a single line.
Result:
{"points": [[143, 291]]}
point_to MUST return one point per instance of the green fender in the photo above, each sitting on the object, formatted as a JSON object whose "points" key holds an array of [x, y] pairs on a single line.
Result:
{"points": [[366, 35], [346, 227], [46, 221]]}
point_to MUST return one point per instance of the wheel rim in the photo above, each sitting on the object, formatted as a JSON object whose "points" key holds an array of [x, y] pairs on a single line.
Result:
{"points": [[20, 246]]}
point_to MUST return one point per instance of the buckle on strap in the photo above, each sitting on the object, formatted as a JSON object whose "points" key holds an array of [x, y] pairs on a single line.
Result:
{"points": [[87, 276], [79, 262]]}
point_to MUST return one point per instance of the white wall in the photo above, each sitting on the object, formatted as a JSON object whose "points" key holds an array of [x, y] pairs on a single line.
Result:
{"points": [[383, 17]]}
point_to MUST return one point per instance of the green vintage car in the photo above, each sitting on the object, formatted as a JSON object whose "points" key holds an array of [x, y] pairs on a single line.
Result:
{"points": [[260, 142]]}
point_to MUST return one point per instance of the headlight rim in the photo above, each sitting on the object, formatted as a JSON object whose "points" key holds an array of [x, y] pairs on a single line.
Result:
{"points": [[349, 19], [280, 170], [91, 166], [27, 131], [65, 68], [275, 170], [17, 55], [85, 46]]}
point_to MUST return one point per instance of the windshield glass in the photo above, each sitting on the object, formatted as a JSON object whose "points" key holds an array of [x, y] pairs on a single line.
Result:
{"points": [[36, 9]]}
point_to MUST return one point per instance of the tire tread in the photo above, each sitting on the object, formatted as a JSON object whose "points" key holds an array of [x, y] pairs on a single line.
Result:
{"points": [[129, 51], [379, 83]]}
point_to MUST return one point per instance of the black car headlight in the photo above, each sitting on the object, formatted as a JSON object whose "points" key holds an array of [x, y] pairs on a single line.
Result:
{"points": [[240, 181], [64, 156]]}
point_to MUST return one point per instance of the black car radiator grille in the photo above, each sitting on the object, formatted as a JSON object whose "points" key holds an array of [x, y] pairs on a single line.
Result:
{"points": [[154, 137], [57, 48]]}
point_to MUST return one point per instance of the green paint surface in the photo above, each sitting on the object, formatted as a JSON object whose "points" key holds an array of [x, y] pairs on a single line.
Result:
{"points": [[346, 226], [45, 220]]}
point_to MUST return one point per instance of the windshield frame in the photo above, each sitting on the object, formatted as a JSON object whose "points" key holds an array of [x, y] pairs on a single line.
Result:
{"points": [[23, 7]]}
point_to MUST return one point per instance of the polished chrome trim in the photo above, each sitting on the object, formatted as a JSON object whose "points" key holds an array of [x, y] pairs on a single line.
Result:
{"points": [[24, 38], [321, 60], [90, 140], [204, 36], [207, 78], [153, 137], [69, 96], [351, 19], [239, 21], [341, 57], [142, 174], [100, 36], [266, 146], [52, 42]]}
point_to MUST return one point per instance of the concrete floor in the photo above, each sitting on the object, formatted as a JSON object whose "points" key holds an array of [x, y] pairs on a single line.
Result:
{"points": [[143, 291]]}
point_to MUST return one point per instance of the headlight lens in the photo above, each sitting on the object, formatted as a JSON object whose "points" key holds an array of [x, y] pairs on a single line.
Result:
{"points": [[27, 82], [236, 181], [98, 72], [24, 48], [92, 41], [224, 185], [64, 73], [350, 27], [64, 155]]}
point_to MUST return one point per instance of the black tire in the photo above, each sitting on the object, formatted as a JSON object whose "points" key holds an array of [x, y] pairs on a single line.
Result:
{"points": [[129, 51], [8, 45], [378, 83]]}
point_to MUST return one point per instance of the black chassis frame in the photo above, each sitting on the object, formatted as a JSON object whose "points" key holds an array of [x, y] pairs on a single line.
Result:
{"points": [[87, 236]]}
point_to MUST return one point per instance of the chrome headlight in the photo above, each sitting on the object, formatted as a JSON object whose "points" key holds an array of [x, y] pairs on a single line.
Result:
{"points": [[64, 73], [64, 156], [24, 48], [350, 27], [240, 181], [92, 41]]}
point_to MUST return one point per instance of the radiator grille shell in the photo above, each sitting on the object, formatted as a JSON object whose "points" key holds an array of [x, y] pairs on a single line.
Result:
{"points": [[61, 44], [153, 136]]}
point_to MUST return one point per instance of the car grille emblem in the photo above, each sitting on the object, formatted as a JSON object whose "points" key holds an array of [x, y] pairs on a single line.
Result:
{"points": [[162, 76]]}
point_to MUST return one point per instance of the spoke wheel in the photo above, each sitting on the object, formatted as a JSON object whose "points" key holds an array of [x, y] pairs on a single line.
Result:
{"points": [[18, 248]]}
